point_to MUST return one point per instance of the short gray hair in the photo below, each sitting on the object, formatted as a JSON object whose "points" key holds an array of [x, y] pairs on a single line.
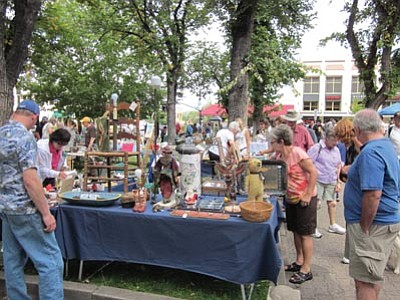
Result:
{"points": [[282, 132], [330, 133], [234, 125], [368, 120]]}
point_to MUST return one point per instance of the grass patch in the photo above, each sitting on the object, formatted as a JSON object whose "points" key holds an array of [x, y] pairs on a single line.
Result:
{"points": [[163, 281]]}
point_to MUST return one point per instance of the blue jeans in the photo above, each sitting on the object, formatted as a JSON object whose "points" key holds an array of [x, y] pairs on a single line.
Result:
{"points": [[23, 238]]}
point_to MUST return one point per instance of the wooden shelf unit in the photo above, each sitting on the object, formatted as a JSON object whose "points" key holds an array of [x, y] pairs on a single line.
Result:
{"points": [[123, 107], [110, 156]]}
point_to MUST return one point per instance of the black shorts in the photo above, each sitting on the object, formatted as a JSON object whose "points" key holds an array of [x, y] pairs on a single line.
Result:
{"points": [[302, 219]]}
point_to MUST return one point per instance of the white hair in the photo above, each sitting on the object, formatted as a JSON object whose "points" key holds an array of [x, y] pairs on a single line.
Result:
{"points": [[234, 125]]}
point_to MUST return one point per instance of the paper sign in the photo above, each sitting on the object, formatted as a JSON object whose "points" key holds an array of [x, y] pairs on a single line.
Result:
{"points": [[89, 196], [133, 106]]}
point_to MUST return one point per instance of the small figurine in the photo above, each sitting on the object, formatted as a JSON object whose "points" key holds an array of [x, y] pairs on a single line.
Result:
{"points": [[166, 172], [255, 180], [140, 198], [191, 198]]}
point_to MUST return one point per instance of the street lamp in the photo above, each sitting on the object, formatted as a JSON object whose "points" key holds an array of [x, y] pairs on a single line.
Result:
{"points": [[114, 99], [155, 83]]}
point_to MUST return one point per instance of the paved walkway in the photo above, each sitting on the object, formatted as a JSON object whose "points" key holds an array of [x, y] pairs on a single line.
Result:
{"points": [[331, 280]]}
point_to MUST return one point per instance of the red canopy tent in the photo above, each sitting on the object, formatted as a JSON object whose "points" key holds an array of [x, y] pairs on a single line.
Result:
{"points": [[213, 110], [275, 110]]}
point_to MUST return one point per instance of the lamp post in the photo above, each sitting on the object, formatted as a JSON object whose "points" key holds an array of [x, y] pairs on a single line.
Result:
{"points": [[114, 99], [155, 83]]}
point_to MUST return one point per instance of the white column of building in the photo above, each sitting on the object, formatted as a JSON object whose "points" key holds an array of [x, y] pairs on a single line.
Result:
{"points": [[322, 84]]}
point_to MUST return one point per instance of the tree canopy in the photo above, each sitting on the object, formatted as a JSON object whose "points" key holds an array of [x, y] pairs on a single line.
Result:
{"points": [[84, 51], [17, 21], [373, 29]]}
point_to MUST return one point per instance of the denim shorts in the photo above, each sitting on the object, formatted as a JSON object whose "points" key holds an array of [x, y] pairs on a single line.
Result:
{"points": [[369, 254], [302, 219]]}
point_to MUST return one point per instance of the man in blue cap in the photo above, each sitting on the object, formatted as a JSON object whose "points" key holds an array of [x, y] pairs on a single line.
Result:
{"points": [[28, 225]]}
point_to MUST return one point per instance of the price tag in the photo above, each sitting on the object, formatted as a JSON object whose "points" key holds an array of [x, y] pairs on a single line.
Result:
{"points": [[89, 196]]}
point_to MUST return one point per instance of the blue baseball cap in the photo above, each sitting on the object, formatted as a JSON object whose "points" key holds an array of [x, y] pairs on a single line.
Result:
{"points": [[29, 105]]}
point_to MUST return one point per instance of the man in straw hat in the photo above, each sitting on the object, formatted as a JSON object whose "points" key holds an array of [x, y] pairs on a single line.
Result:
{"points": [[301, 136]]}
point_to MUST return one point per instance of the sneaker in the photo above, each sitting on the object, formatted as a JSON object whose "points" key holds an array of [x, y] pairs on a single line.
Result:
{"points": [[317, 234], [335, 228], [345, 260]]}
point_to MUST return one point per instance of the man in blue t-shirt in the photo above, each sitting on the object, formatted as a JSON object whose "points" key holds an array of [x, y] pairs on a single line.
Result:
{"points": [[371, 205]]}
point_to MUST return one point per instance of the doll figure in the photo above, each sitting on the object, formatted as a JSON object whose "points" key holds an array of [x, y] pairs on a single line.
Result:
{"points": [[166, 172]]}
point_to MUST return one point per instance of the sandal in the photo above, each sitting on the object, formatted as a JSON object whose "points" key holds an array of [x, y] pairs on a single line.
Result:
{"points": [[293, 267], [300, 277]]}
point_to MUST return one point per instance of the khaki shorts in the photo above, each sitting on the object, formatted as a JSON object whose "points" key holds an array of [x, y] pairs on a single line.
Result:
{"points": [[369, 254], [326, 192]]}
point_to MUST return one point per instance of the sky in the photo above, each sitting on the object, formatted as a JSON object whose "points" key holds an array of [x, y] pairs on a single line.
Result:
{"points": [[329, 19]]}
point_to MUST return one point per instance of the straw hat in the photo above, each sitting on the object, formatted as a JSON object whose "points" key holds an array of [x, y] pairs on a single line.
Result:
{"points": [[291, 116]]}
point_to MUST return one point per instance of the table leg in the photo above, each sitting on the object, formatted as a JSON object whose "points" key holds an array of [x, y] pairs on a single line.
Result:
{"points": [[80, 270], [243, 289], [66, 271]]}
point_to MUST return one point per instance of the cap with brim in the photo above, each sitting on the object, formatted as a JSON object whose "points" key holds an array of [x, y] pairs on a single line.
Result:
{"points": [[29, 105], [85, 120], [397, 114], [291, 115]]}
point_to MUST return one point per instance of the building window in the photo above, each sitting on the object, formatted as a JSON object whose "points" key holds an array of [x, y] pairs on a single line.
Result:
{"points": [[332, 105], [311, 94], [311, 85], [333, 93], [310, 105], [357, 90]]}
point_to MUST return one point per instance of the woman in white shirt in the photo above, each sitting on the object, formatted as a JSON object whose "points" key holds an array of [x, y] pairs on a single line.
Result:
{"points": [[52, 163], [243, 139]]}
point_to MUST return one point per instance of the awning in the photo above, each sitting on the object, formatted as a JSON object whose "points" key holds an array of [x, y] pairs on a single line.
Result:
{"points": [[273, 111]]}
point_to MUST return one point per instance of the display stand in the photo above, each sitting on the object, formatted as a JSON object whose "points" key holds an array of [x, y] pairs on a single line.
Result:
{"points": [[125, 116], [109, 165]]}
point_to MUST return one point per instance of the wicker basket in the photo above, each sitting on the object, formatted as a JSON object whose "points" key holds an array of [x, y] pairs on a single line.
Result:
{"points": [[256, 211]]}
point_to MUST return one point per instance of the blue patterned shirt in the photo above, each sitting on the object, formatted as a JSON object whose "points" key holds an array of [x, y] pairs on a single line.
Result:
{"points": [[18, 152]]}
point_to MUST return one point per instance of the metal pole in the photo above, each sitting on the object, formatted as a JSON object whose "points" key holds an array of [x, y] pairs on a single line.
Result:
{"points": [[156, 132]]}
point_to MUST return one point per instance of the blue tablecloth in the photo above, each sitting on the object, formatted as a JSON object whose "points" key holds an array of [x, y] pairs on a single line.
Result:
{"points": [[233, 250]]}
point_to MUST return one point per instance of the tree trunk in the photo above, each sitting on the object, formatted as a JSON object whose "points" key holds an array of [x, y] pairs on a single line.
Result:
{"points": [[242, 29], [16, 35], [171, 106]]}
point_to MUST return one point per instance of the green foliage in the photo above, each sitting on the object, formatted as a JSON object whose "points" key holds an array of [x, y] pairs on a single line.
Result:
{"points": [[356, 105], [373, 30], [207, 65], [86, 50], [76, 62], [279, 27]]}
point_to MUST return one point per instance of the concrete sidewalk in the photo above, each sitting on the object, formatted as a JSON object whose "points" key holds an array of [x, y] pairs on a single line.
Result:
{"points": [[82, 291], [331, 279]]}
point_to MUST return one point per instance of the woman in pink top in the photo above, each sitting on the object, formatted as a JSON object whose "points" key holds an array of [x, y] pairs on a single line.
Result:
{"points": [[301, 200]]}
